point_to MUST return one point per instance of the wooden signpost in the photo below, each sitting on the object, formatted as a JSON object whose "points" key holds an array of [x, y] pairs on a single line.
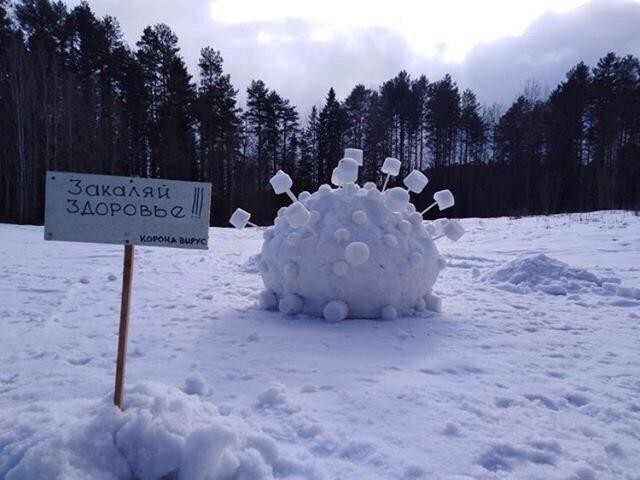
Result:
{"points": [[123, 333], [126, 211]]}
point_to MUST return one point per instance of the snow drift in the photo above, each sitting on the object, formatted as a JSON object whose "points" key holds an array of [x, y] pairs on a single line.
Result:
{"points": [[548, 275], [162, 433]]}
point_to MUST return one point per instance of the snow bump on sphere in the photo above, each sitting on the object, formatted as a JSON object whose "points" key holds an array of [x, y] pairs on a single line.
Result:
{"points": [[352, 252]]}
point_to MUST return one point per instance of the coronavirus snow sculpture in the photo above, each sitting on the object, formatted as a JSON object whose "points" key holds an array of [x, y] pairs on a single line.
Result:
{"points": [[352, 252]]}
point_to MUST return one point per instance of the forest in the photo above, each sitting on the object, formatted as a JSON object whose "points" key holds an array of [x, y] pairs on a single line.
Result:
{"points": [[75, 97]]}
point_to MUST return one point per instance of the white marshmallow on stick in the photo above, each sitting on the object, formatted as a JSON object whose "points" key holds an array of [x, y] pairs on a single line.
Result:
{"points": [[282, 183], [354, 153], [453, 230], [436, 227], [298, 216], [240, 219], [345, 172], [415, 181], [443, 199], [391, 167]]}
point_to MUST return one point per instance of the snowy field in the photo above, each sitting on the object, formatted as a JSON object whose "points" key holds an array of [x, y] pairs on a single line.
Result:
{"points": [[531, 371]]}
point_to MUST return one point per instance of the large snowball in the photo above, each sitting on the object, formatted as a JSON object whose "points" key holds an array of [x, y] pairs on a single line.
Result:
{"points": [[363, 258]]}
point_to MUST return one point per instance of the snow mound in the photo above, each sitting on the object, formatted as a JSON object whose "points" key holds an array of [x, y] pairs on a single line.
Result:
{"points": [[162, 433], [544, 274]]}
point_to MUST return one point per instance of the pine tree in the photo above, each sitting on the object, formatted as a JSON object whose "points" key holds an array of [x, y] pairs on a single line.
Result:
{"points": [[376, 132], [604, 125], [136, 105], [289, 126], [332, 125], [521, 150], [5, 24], [7, 153], [255, 118], [628, 162], [306, 173], [170, 122], [419, 92], [218, 122], [566, 139], [442, 120], [41, 99], [399, 110], [472, 129], [91, 46], [356, 107]]}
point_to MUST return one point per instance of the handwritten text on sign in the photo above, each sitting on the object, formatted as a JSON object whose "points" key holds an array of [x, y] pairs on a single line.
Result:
{"points": [[129, 211]]}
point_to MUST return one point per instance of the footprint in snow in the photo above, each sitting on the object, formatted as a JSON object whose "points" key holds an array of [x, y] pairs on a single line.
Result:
{"points": [[506, 457], [542, 400], [577, 399], [414, 471], [79, 361], [504, 402]]}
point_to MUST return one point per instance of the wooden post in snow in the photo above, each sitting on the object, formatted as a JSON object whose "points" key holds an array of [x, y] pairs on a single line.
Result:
{"points": [[125, 307]]}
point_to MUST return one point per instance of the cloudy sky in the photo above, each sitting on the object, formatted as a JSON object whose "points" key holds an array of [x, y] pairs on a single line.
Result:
{"points": [[301, 48]]}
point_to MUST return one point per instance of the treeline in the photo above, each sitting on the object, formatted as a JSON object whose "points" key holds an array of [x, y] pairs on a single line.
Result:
{"points": [[74, 96]]}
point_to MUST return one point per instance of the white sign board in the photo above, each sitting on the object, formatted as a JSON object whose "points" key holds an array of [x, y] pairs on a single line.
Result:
{"points": [[127, 211]]}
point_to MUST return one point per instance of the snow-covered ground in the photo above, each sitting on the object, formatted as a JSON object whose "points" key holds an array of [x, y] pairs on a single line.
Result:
{"points": [[531, 371]]}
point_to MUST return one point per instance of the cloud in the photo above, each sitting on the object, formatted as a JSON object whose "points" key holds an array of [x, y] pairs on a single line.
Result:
{"points": [[551, 45], [302, 61], [451, 28]]}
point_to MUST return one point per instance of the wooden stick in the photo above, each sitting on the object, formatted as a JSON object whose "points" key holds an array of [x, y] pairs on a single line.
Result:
{"points": [[127, 276]]}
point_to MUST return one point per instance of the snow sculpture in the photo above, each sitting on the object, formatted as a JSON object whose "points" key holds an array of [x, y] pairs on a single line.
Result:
{"points": [[352, 252]]}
